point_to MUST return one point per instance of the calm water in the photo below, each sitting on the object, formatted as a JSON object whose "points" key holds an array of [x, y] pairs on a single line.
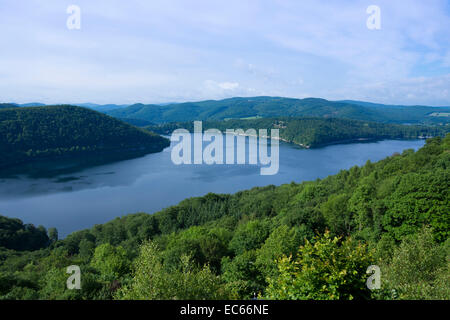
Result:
{"points": [[76, 200]]}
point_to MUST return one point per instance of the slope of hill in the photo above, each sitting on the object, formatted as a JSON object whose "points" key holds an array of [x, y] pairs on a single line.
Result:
{"points": [[381, 105], [276, 107], [32, 104], [315, 132], [102, 107], [17, 105], [93, 106], [60, 131], [7, 105], [393, 213], [397, 112], [137, 122]]}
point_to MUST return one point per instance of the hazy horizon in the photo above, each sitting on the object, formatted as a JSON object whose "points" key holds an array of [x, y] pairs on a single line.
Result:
{"points": [[196, 101]]}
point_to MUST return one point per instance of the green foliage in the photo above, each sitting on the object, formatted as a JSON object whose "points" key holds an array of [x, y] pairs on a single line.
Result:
{"points": [[61, 131], [246, 244], [54, 286], [152, 282], [329, 269], [282, 241], [316, 132], [204, 246], [112, 262], [420, 198], [419, 269], [18, 236], [249, 236], [242, 275], [52, 235], [337, 215]]}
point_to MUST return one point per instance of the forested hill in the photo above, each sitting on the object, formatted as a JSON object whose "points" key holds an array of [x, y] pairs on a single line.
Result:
{"points": [[7, 105], [312, 240], [315, 132], [279, 107], [30, 133]]}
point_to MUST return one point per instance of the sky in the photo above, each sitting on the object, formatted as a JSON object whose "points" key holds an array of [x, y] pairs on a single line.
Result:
{"points": [[153, 51]]}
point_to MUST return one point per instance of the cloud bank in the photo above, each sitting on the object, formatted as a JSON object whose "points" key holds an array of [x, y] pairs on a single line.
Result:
{"points": [[174, 50]]}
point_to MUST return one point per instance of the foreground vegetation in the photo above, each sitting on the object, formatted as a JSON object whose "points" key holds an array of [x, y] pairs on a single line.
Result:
{"points": [[31, 133], [315, 132], [312, 240]]}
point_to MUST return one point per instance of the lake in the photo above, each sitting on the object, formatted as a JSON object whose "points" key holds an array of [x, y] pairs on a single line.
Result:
{"points": [[76, 199]]}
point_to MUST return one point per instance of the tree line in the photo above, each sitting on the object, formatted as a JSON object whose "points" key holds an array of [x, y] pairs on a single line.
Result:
{"points": [[316, 132]]}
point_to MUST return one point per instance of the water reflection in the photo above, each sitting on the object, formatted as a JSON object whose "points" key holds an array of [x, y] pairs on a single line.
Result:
{"points": [[68, 175], [73, 196]]}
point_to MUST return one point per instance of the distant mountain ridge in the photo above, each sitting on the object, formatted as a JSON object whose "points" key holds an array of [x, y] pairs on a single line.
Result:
{"points": [[93, 106], [102, 107], [382, 105], [266, 107]]}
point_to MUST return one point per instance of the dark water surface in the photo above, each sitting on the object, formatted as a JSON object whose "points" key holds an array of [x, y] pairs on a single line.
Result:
{"points": [[75, 199]]}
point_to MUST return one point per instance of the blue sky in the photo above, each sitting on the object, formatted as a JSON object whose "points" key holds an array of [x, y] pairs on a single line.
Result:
{"points": [[154, 51]]}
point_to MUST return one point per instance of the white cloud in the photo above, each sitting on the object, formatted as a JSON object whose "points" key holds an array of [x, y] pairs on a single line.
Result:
{"points": [[411, 91], [153, 51], [228, 85], [221, 89]]}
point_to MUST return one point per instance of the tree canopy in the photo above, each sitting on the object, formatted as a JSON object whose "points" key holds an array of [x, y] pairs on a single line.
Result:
{"points": [[316, 132], [312, 240], [31, 133]]}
